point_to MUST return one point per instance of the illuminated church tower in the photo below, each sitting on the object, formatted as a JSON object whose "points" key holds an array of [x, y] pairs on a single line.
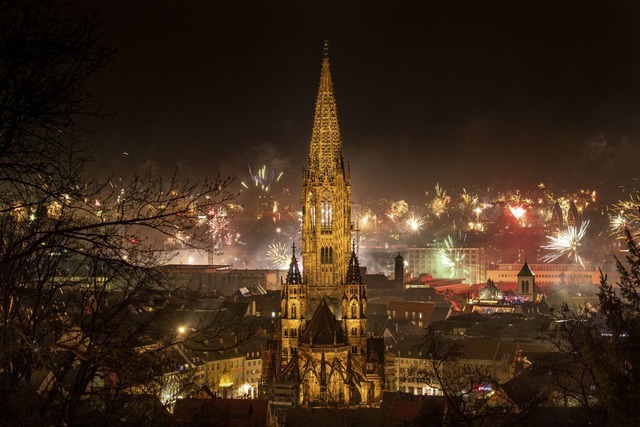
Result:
{"points": [[325, 354], [326, 201]]}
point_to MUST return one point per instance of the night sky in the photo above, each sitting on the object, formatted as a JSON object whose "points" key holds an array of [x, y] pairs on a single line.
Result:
{"points": [[464, 93]]}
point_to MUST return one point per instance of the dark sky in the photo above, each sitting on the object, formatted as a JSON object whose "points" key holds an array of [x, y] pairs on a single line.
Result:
{"points": [[464, 93]]}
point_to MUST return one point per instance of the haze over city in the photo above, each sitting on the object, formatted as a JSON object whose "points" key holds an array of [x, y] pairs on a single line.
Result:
{"points": [[458, 93]]}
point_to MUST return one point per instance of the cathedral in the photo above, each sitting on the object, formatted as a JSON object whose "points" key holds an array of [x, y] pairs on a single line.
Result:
{"points": [[321, 353]]}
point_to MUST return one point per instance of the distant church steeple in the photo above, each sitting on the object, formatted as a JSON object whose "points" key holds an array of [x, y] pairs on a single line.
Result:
{"points": [[557, 218], [572, 215], [527, 283]]}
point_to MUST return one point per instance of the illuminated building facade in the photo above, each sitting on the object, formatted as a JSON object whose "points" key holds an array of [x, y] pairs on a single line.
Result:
{"points": [[471, 267], [546, 274], [324, 355]]}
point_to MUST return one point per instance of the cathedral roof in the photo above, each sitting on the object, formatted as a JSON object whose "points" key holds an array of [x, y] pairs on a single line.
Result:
{"points": [[325, 152], [323, 328]]}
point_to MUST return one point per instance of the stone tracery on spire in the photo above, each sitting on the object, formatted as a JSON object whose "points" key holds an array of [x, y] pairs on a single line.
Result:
{"points": [[325, 153]]}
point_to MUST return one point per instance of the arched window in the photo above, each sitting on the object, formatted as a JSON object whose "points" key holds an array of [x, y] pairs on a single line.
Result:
{"points": [[326, 255], [353, 310], [293, 311]]}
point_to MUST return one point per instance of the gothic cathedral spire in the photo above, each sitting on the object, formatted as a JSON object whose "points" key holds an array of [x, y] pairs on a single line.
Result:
{"points": [[325, 152], [324, 346], [326, 200]]}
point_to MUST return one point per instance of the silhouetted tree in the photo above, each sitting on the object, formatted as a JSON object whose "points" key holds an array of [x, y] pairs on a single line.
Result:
{"points": [[79, 258], [445, 369], [603, 345]]}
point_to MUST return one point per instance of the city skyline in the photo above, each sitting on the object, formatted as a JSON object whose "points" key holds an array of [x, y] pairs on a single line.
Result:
{"points": [[460, 95]]}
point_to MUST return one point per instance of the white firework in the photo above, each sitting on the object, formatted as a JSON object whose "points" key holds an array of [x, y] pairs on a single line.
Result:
{"points": [[413, 223], [278, 256], [452, 259], [566, 243], [618, 223]]}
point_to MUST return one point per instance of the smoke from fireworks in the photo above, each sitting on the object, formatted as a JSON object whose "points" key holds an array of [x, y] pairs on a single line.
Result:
{"points": [[566, 243]]}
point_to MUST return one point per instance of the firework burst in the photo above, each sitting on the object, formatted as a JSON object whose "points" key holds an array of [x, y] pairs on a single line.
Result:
{"points": [[566, 243], [519, 213], [618, 223], [397, 210], [469, 201], [365, 217], [217, 222], [628, 216], [413, 223], [452, 259], [278, 256], [440, 201], [263, 179]]}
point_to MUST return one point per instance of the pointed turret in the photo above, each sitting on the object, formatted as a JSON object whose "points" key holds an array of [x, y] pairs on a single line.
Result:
{"points": [[294, 276], [353, 272], [294, 307]]}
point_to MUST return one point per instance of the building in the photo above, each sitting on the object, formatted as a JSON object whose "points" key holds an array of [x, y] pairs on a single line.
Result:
{"points": [[420, 314], [322, 354], [222, 278], [494, 359], [546, 274], [471, 266]]}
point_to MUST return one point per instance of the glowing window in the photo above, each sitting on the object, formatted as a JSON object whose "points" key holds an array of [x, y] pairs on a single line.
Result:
{"points": [[326, 213]]}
